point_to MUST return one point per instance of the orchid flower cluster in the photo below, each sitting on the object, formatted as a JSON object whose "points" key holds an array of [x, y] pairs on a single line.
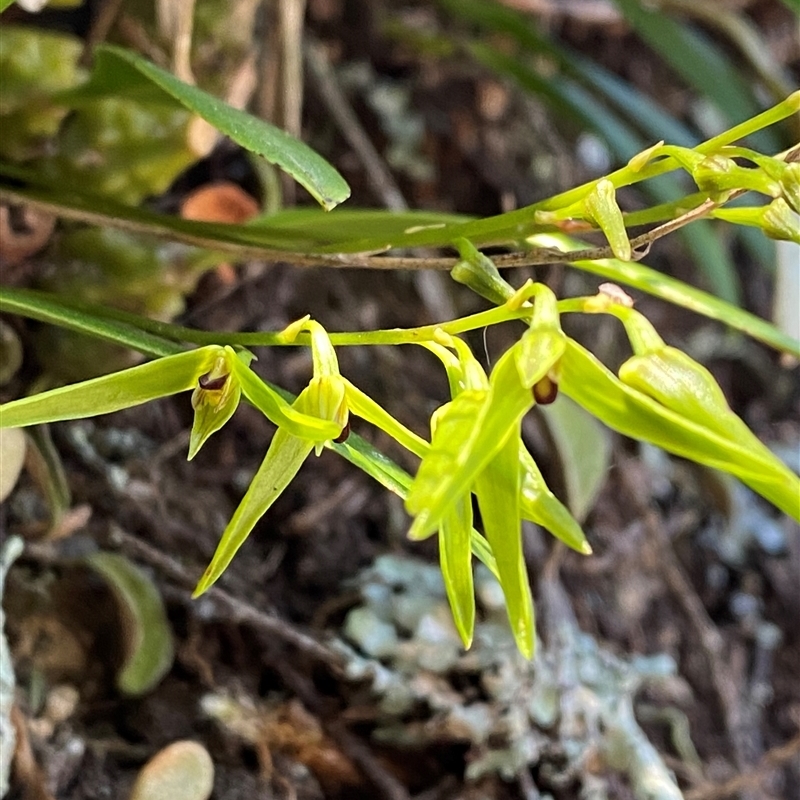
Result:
{"points": [[660, 395]]}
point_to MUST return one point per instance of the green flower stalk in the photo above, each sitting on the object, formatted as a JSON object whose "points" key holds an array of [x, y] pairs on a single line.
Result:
{"points": [[777, 220]]}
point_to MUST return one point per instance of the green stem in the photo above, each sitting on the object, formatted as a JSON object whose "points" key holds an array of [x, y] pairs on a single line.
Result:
{"points": [[162, 338]]}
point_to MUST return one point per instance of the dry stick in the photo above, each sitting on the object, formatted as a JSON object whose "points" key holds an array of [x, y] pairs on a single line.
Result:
{"points": [[237, 610], [290, 20], [535, 257], [100, 28], [430, 287], [175, 21], [389, 786], [330, 93], [752, 779], [291, 13], [710, 638]]}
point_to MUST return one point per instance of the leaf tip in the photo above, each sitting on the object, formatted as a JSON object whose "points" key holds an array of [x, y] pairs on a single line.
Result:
{"points": [[203, 585]]}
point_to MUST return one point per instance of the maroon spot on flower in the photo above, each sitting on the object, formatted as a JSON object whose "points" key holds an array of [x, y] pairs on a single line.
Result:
{"points": [[212, 384], [342, 437], [545, 391]]}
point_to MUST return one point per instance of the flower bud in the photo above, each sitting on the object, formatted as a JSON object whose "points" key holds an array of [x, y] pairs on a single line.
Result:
{"points": [[600, 205], [476, 270], [790, 183], [780, 222], [718, 174]]}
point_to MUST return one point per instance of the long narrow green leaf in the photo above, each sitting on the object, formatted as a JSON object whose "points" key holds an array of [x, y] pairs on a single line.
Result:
{"points": [[639, 109], [83, 318], [119, 72]]}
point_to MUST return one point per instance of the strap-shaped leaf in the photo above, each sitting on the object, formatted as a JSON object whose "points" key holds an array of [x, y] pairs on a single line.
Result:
{"points": [[120, 72], [455, 558], [498, 491]]}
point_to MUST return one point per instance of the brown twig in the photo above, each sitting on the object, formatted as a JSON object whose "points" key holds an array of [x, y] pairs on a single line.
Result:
{"points": [[531, 258], [235, 609], [101, 26], [753, 778], [330, 93], [389, 787], [711, 641]]}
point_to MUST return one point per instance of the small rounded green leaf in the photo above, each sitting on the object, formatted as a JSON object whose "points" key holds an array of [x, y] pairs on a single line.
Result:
{"points": [[149, 648]]}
